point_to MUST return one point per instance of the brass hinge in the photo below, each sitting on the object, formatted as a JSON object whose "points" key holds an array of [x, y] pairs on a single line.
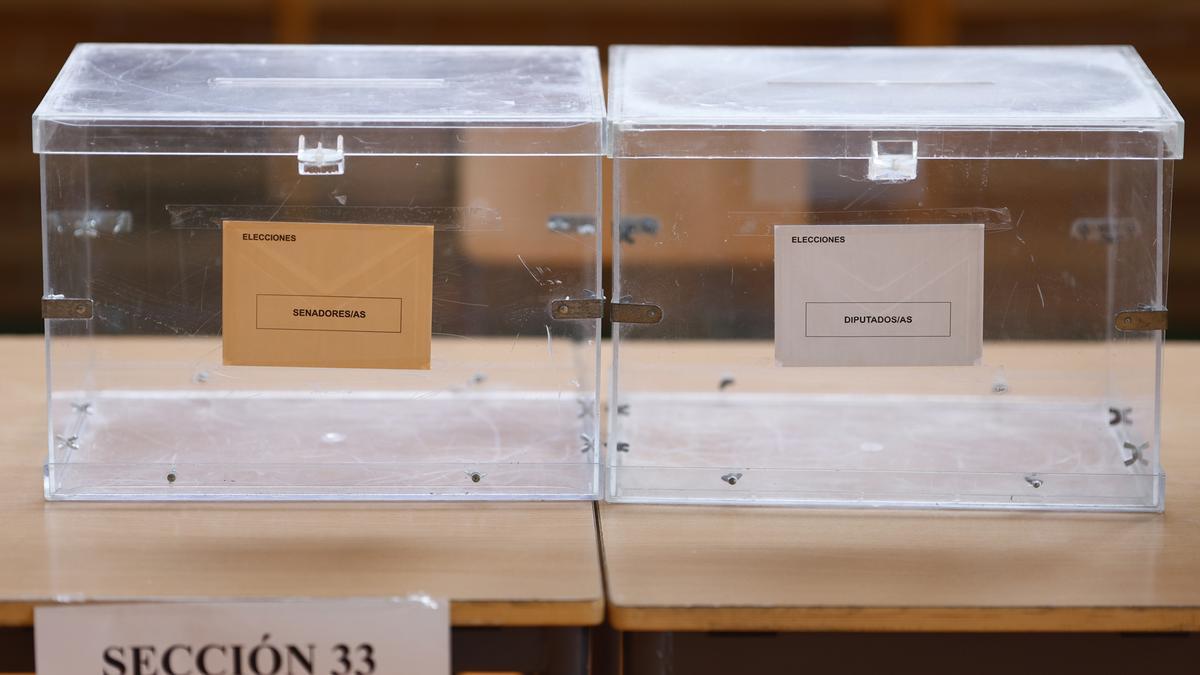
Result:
{"points": [[58, 307], [1141, 319]]}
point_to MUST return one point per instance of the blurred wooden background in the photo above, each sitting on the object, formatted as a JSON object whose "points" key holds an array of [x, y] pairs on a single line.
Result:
{"points": [[37, 35]]}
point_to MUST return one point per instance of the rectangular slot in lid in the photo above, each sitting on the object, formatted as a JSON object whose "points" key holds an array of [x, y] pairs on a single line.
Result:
{"points": [[339, 82]]}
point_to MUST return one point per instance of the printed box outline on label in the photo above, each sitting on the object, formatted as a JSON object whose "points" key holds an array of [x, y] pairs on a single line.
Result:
{"points": [[949, 318], [328, 330]]}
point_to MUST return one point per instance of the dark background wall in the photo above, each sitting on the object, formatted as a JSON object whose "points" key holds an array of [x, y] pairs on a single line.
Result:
{"points": [[37, 35]]}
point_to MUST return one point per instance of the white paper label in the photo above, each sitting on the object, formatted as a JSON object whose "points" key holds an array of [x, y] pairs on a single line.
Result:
{"points": [[317, 637], [878, 295]]}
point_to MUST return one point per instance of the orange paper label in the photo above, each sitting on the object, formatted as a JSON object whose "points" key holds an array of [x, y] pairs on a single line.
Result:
{"points": [[327, 295]]}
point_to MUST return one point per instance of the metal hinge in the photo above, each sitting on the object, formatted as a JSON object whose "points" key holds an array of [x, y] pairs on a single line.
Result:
{"points": [[623, 312], [586, 308], [566, 223], [619, 312], [1141, 319], [1107, 230], [58, 307]]}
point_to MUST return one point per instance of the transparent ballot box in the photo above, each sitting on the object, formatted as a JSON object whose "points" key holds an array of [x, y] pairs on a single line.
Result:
{"points": [[889, 277], [298, 272]]}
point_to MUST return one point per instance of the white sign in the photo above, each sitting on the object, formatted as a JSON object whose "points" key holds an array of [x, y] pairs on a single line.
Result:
{"points": [[878, 295], [311, 637]]}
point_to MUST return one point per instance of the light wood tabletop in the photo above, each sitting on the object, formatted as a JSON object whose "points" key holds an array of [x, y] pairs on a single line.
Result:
{"points": [[686, 568], [500, 564]]}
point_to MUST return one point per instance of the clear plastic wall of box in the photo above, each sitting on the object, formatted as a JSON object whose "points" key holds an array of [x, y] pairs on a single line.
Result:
{"points": [[141, 406], [1062, 411]]}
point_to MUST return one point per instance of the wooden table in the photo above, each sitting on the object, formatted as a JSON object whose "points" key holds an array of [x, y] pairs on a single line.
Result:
{"points": [[671, 568], [500, 564]]}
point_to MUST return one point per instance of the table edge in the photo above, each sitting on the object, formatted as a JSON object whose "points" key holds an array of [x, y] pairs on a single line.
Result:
{"points": [[906, 619], [585, 612]]}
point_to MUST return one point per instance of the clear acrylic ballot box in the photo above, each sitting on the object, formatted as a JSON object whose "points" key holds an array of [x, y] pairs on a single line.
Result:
{"points": [[300, 272], [889, 277]]}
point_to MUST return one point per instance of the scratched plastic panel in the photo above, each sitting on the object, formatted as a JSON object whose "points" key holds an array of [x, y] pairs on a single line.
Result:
{"points": [[1064, 102], [397, 99], [1061, 412], [142, 407]]}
